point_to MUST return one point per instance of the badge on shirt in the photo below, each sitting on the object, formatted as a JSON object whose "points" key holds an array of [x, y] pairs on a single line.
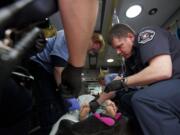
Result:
{"points": [[145, 36]]}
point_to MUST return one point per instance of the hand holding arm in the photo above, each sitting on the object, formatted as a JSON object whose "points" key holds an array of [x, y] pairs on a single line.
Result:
{"points": [[115, 85]]}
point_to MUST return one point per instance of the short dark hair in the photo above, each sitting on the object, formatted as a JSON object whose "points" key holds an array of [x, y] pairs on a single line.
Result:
{"points": [[119, 30]]}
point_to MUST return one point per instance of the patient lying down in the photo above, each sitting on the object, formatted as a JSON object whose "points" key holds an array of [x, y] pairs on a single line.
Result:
{"points": [[106, 116]]}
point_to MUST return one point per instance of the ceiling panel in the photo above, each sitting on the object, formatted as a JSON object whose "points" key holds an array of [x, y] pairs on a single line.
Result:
{"points": [[165, 9]]}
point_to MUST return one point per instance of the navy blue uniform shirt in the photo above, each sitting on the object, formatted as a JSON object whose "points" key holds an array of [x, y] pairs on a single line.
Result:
{"points": [[151, 42]]}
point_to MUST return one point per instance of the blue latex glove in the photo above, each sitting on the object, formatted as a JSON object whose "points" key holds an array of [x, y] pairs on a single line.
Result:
{"points": [[109, 77], [72, 104]]}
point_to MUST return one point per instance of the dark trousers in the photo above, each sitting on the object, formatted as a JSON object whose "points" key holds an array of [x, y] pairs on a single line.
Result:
{"points": [[20, 127], [157, 108], [47, 99], [15, 109], [123, 100]]}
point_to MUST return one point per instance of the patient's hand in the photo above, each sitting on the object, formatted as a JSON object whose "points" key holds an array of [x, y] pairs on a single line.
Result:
{"points": [[84, 111]]}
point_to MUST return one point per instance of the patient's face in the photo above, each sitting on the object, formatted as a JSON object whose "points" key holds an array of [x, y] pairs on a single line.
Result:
{"points": [[111, 108]]}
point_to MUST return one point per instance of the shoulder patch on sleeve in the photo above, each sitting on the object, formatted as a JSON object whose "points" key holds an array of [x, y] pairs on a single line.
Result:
{"points": [[146, 36]]}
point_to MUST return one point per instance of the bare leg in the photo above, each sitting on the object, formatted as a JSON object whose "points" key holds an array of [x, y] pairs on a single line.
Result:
{"points": [[79, 18]]}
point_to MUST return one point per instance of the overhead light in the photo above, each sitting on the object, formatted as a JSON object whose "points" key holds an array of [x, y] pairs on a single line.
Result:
{"points": [[110, 60], [133, 11], [83, 79]]}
